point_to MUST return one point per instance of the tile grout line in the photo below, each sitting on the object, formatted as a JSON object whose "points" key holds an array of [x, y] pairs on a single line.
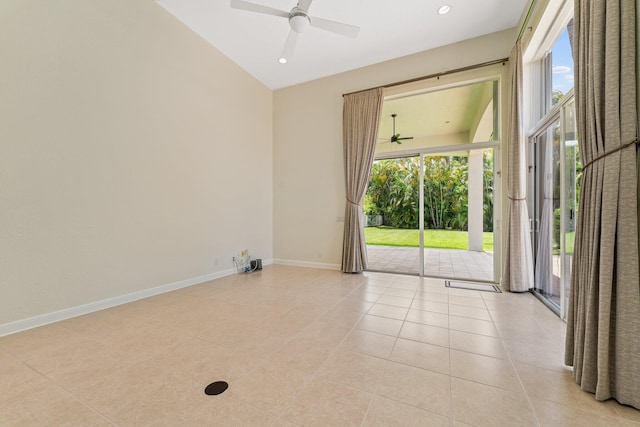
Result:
{"points": [[69, 394], [313, 375], [524, 390], [515, 315], [451, 411], [387, 360]]}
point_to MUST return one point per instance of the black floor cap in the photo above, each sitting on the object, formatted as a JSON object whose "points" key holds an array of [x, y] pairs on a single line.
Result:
{"points": [[216, 388]]}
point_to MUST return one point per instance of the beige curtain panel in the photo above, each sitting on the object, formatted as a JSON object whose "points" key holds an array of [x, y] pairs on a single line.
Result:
{"points": [[603, 328], [361, 117], [518, 268]]}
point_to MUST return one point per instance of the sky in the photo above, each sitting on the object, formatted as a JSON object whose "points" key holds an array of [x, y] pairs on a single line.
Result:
{"points": [[562, 64]]}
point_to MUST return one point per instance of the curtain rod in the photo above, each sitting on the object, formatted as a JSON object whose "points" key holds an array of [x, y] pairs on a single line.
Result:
{"points": [[430, 76], [526, 19]]}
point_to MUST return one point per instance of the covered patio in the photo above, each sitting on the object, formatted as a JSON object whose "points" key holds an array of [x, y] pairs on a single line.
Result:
{"points": [[453, 263]]}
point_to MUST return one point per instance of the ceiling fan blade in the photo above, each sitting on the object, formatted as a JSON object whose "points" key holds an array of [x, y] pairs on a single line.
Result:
{"points": [[252, 7], [304, 5], [289, 45], [406, 137], [335, 27]]}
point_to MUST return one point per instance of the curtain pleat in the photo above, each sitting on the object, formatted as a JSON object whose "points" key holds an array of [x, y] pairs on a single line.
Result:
{"points": [[603, 325], [518, 269], [361, 117]]}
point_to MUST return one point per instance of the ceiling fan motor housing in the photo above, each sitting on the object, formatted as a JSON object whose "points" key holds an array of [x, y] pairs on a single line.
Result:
{"points": [[299, 21], [395, 137]]}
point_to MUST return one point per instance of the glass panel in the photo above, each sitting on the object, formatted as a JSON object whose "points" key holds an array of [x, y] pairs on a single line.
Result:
{"points": [[391, 216], [561, 67], [548, 267], [572, 184], [458, 215]]}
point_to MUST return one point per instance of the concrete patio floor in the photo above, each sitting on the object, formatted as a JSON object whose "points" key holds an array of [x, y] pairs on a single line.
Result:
{"points": [[451, 263]]}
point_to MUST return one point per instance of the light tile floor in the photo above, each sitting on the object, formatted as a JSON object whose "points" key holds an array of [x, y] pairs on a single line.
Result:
{"points": [[437, 262], [302, 346]]}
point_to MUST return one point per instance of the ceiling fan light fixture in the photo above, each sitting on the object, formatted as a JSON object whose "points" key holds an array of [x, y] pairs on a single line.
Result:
{"points": [[444, 9], [299, 22]]}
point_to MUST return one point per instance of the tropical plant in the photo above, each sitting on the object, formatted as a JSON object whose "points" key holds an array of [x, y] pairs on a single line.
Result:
{"points": [[368, 207], [487, 190], [445, 192], [394, 185]]}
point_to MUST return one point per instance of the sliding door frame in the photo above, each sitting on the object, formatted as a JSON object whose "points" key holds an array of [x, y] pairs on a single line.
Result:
{"points": [[496, 72], [497, 194], [556, 114]]}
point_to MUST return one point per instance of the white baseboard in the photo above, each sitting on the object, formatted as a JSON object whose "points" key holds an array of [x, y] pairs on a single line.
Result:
{"points": [[294, 263], [56, 316]]}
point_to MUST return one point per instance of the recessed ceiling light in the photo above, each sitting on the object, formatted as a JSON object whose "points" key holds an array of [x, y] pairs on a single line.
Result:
{"points": [[443, 10], [282, 60]]}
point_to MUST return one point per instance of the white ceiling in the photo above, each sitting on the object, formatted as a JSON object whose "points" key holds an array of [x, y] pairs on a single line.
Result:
{"points": [[388, 30]]}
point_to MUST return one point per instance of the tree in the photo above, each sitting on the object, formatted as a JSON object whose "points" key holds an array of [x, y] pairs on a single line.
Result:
{"points": [[487, 190], [394, 185], [556, 96], [393, 190], [445, 192]]}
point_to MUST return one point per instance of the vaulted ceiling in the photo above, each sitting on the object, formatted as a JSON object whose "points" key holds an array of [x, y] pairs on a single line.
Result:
{"points": [[388, 30]]}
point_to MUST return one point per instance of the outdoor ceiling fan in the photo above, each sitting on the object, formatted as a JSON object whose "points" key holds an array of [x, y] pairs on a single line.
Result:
{"points": [[395, 137], [299, 22]]}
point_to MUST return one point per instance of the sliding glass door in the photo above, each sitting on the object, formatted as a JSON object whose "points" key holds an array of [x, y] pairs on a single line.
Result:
{"points": [[557, 179], [554, 160], [458, 215], [392, 215], [547, 214], [429, 208], [572, 182], [432, 214]]}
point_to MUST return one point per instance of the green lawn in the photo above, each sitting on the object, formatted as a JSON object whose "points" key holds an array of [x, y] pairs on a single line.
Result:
{"points": [[570, 242], [445, 239]]}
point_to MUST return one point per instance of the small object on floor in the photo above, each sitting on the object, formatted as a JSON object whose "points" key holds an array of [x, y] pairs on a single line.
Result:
{"points": [[256, 264], [216, 388]]}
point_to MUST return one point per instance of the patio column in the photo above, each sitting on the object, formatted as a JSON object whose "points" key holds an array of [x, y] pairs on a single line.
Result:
{"points": [[475, 207]]}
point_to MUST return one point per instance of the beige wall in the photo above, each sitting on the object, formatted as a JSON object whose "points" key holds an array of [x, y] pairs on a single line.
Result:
{"points": [[133, 155], [308, 168]]}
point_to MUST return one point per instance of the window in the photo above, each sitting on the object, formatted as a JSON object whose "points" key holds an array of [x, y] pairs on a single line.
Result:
{"points": [[554, 160], [561, 66]]}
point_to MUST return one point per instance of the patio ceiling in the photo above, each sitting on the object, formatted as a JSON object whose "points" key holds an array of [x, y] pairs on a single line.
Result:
{"points": [[447, 116]]}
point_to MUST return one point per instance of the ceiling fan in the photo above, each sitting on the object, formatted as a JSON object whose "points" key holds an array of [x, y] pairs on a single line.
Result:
{"points": [[299, 22], [395, 137]]}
